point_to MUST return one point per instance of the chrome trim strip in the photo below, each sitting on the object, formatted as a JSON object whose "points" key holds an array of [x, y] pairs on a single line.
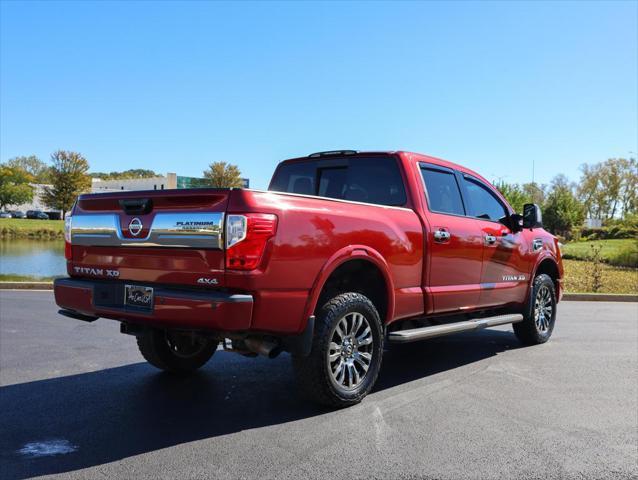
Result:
{"points": [[175, 230]]}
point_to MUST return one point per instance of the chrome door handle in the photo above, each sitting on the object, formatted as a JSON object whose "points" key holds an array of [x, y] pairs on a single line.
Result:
{"points": [[490, 239], [441, 235]]}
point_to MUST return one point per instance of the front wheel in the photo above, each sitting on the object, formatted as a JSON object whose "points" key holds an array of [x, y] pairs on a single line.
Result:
{"points": [[540, 313], [175, 352], [347, 347]]}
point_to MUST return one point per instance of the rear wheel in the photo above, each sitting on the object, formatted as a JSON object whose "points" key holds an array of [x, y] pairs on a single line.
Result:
{"points": [[175, 352], [346, 352], [540, 313]]}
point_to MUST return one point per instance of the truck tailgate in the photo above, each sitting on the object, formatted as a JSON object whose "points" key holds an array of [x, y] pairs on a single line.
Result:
{"points": [[164, 236]]}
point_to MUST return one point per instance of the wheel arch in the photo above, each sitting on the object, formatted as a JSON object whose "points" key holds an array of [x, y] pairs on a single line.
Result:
{"points": [[355, 266], [549, 266]]}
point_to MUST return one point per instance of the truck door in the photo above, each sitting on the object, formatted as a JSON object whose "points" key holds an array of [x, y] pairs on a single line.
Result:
{"points": [[454, 244], [506, 261]]}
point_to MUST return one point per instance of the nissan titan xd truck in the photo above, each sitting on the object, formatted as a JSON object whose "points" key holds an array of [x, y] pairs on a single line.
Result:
{"points": [[344, 253]]}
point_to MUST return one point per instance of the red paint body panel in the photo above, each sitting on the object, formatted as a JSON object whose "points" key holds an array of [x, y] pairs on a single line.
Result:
{"points": [[315, 236]]}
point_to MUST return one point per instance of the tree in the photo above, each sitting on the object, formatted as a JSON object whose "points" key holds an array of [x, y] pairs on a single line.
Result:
{"points": [[562, 210], [126, 174], [608, 189], [514, 194], [535, 193], [69, 179], [223, 175], [14, 186], [33, 166]]}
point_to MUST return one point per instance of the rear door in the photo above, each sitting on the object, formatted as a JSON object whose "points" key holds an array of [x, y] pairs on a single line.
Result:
{"points": [[506, 262], [454, 246], [168, 236]]}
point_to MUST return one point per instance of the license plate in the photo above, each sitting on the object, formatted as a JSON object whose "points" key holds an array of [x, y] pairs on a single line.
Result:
{"points": [[138, 296]]}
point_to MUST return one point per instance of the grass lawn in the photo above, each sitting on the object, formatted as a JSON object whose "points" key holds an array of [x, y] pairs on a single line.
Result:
{"points": [[614, 279], [11, 277], [623, 252], [25, 228]]}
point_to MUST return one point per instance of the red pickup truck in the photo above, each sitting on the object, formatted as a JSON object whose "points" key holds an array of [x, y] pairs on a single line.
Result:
{"points": [[346, 251]]}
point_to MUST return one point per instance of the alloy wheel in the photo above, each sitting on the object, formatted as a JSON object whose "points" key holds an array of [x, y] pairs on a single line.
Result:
{"points": [[543, 309], [350, 350]]}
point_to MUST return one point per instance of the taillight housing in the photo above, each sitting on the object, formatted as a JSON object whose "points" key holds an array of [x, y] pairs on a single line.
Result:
{"points": [[246, 238], [68, 222]]}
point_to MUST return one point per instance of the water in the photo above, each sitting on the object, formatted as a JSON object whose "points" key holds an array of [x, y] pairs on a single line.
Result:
{"points": [[40, 258]]}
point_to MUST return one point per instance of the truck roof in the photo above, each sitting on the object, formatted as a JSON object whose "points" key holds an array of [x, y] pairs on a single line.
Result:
{"points": [[355, 153]]}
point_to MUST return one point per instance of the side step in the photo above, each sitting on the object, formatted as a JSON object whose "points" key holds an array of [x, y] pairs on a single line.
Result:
{"points": [[416, 334]]}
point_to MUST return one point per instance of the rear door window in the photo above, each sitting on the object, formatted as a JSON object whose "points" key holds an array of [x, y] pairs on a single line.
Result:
{"points": [[374, 180], [442, 190]]}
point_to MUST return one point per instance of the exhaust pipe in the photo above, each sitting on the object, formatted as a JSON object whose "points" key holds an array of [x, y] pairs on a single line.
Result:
{"points": [[262, 346]]}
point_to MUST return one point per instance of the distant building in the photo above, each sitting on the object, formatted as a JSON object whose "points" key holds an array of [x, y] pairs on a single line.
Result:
{"points": [[168, 182], [593, 222]]}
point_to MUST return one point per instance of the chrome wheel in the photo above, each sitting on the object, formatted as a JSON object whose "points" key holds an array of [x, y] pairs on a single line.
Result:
{"points": [[543, 309], [350, 351]]}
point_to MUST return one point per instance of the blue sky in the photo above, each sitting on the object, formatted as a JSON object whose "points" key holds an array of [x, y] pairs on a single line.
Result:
{"points": [[175, 86]]}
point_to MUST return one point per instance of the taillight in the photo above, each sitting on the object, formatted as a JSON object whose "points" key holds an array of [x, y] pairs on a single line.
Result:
{"points": [[67, 237], [246, 238]]}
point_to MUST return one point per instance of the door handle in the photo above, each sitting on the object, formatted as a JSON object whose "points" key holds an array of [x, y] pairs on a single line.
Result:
{"points": [[441, 235], [490, 239]]}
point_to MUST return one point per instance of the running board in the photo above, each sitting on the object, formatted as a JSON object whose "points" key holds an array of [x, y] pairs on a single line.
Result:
{"points": [[416, 334]]}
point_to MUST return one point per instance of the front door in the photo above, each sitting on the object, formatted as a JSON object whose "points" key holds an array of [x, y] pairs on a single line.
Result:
{"points": [[506, 261]]}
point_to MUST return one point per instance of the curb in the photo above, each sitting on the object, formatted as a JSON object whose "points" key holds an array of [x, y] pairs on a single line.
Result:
{"points": [[567, 297], [26, 285], [600, 297]]}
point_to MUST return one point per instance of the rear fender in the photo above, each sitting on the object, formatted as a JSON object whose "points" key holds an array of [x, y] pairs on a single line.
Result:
{"points": [[352, 252]]}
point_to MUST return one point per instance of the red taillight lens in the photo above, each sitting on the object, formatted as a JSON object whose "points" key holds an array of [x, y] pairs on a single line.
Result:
{"points": [[246, 239], [68, 254]]}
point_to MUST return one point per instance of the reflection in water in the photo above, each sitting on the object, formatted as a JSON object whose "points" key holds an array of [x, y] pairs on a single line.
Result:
{"points": [[41, 258]]}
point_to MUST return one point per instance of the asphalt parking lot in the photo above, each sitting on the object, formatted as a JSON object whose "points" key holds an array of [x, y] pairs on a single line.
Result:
{"points": [[77, 401]]}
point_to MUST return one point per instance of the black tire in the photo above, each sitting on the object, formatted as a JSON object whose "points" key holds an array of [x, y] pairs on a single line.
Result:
{"points": [[175, 353], [317, 374], [534, 330]]}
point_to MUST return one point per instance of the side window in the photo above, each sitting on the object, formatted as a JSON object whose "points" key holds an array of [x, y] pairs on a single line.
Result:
{"points": [[482, 202], [443, 192]]}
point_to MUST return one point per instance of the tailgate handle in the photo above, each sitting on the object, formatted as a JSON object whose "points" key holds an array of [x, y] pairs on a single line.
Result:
{"points": [[138, 206]]}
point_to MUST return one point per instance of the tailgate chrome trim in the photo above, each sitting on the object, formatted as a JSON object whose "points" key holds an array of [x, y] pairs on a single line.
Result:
{"points": [[175, 230]]}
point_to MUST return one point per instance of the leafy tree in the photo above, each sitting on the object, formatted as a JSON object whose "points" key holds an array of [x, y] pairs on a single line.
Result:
{"points": [[33, 166], [514, 194], [14, 186], [535, 193], [69, 179], [127, 174], [562, 210], [223, 175], [608, 189]]}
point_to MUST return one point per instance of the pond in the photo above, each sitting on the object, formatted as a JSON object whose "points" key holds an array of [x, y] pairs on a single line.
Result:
{"points": [[40, 258]]}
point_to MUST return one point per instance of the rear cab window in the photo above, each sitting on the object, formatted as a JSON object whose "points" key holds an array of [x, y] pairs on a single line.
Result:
{"points": [[442, 190], [375, 180]]}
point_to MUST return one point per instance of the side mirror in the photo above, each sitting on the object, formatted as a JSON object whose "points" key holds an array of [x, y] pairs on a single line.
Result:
{"points": [[516, 222], [532, 217]]}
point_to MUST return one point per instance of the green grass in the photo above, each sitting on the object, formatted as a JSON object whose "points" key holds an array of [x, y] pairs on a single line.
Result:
{"points": [[24, 228], [622, 252], [11, 277], [578, 278]]}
